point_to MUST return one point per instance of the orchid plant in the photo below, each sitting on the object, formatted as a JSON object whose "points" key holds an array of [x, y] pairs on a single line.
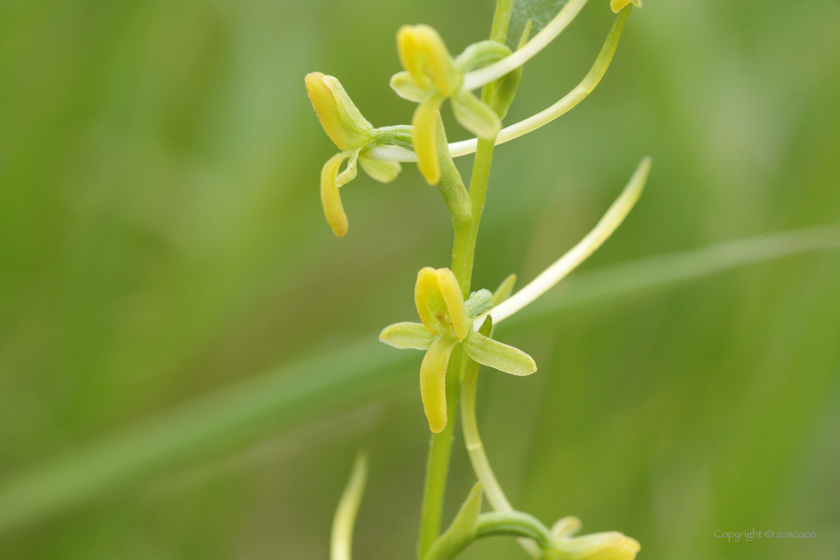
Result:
{"points": [[456, 324]]}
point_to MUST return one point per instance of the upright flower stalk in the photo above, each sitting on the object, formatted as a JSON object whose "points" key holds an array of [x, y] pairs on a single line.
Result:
{"points": [[455, 327]]}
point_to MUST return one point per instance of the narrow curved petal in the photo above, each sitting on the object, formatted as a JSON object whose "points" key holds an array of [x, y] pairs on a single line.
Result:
{"points": [[566, 527], [451, 292], [433, 381], [425, 56], [350, 114], [349, 172], [476, 116], [382, 171], [424, 138], [410, 57], [342, 121], [496, 355], [428, 299], [405, 86], [407, 336], [330, 197]]}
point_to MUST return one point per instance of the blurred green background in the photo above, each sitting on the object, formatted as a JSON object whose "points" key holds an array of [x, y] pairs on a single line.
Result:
{"points": [[188, 360]]}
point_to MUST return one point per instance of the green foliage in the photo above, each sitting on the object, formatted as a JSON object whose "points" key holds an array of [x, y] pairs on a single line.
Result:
{"points": [[161, 241]]}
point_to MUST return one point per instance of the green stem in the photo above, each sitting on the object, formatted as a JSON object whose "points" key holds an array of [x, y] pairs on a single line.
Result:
{"points": [[472, 440], [437, 464], [464, 249], [501, 20], [475, 447], [496, 524], [463, 252], [513, 523]]}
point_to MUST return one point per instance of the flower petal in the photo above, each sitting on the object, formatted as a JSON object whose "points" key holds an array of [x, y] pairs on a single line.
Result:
{"points": [[451, 292], [598, 546], [618, 5], [424, 55], [382, 171], [330, 198], [433, 381], [407, 88], [424, 137], [481, 54], [342, 121], [496, 355], [428, 299], [565, 527], [476, 116], [349, 172], [407, 336]]}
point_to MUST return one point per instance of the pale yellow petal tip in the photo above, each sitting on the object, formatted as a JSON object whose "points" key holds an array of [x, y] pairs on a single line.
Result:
{"points": [[429, 169], [599, 546], [330, 197], [424, 288], [433, 381], [618, 5], [424, 55], [436, 423], [448, 286], [566, 527], [425, 140]]}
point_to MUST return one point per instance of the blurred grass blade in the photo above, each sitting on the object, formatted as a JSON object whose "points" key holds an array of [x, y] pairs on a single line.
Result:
{"points": [[224, 421], [241, 414], [638, 275], [341, 540]]}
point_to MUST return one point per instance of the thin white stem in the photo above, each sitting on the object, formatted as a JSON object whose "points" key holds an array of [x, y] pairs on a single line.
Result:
{"points": [[478, 78], [579, 253], [561, 107], [478, 457], [512, 132]]}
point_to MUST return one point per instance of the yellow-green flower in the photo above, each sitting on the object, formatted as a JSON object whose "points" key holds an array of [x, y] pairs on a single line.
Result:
{"points": [[597, 546], [447, 321], [354, 136], [432, 75], [618, 5]]}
